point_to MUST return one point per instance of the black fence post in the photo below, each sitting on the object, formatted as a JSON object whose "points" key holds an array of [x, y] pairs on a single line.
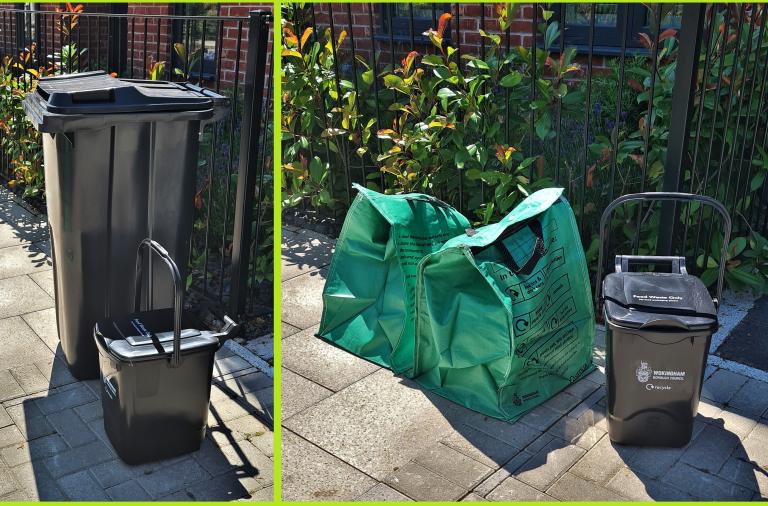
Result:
{"points": [[683, 93], [247, 178]]}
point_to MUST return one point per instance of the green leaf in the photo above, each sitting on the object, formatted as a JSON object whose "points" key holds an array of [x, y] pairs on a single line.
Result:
{"points": [[511, 80], [445, 93], [543, 125], [432, 60]]}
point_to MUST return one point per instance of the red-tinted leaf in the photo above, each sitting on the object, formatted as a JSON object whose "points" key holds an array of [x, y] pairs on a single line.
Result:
{"points": [[442, 23], [666, 34], [635, 85], [645, 40]]}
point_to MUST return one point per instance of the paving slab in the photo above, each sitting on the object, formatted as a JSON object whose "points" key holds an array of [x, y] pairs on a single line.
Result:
{"points": [[756, 445], [383, 493], [421, 484], [703, 485], [512, 489], [602, 461], [44, 324], [640, 488], [30, 420], [128, 491], [654, 462], [752, 398], [19, 226], [548, 464], [82, 487], [9, 387], [30, 451], [5, 418], [299, 393], [302, 299], [722, 386], [286, 330], [21, 295], [44, 279], [304, 252], [310, 473], [480, 446], [323, 363], [711, 448], [19, 345], [453, 466], [30, 378], [572, 488], [37, 484], [172, 478], [375, 437], [747, 474], [24, 259], [79, 458]]}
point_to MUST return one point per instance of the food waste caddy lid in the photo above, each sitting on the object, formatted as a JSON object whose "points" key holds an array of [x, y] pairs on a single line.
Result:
{"points": [[658, 301], [94, 99]]}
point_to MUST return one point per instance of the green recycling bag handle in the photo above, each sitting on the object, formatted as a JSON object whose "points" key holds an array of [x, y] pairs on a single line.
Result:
{"points": [[429, 200]]}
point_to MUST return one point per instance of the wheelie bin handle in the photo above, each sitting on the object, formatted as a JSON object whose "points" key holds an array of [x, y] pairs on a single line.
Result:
{"points": [[666, 196], [178, 292]]}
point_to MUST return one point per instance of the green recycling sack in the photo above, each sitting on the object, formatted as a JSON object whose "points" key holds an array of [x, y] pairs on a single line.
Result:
{"points": [[504, 313], [368, 297]]}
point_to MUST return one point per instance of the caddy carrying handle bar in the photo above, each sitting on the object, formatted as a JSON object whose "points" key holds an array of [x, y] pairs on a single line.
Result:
{"points": [[177, 292], [665, 196]]}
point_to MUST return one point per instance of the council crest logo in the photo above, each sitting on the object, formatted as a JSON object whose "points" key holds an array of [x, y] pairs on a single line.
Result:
{"points": [[643, 372]]}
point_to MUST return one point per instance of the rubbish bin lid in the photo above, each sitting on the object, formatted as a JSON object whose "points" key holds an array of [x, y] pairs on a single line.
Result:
{"points": [[658, 300], [148, 335], [100, 93]]}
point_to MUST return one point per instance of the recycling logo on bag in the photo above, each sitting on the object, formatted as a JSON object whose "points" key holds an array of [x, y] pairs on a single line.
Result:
{"points": [[643, 372]]}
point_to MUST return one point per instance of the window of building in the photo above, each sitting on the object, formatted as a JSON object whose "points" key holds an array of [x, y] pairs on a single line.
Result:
{"points": [[425, 16], [608, 25]]}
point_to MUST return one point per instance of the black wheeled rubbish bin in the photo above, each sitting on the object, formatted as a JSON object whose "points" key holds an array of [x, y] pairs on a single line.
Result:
{"points": [[156, 369], [659, 327], [120, 165]]}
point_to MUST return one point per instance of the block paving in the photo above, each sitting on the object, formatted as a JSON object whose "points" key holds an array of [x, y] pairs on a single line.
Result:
{"points": [[354, 431], [52, 440]]}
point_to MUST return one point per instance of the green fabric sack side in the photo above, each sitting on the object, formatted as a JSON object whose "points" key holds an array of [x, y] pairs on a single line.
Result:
{"points": [[504, 314], [368, 299]]}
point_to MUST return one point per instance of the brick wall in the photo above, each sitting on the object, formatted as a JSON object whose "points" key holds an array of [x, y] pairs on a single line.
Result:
{"points": [[469, 40]]}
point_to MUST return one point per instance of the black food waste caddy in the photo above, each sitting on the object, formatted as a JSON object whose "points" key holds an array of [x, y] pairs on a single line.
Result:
{"points": [[156, 368], [659, 327]]}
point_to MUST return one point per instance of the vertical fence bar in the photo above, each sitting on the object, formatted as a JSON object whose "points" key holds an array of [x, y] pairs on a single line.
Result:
{"points": [[587, 108], [683, 94], [258, 32], [376, 85]]}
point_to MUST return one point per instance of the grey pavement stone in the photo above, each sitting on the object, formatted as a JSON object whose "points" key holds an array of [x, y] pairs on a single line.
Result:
{"points": [[5, 418], [310, 473], [286, 330], [562, 402], [480, 446], [549, 464], [303, 252], [19, 226], [23, 259], [380, 493], [453, 466], [266, 494], [579, 431], [21, 295], [63, 399], [299, 393], [114, 472], [30, 378], [503, 473], [44, 280], [302, 299], [421, 484], [172, 478], [654, 462], [82, 487], [322, 363], [704, 485], [128, 491], [248, 427], [71, 427], [9, 387], [752, 398], [515, 434], [572, 488], [82, 457], [91, 411], [43, 322], [710, 449], [10, 435], [602, 461], [229, 365], [722, 386], [364, 435], [735, 422], [221, 488], [19, 345], [56, 371], [512, 489], [540, 418], [473, 497], [756, 445], [245, 383], [247, 460], [639, 488], [582, 389], [30, 421], [709, 409], [7, 483], [37, 483], [33, 450], [747, 474]]}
